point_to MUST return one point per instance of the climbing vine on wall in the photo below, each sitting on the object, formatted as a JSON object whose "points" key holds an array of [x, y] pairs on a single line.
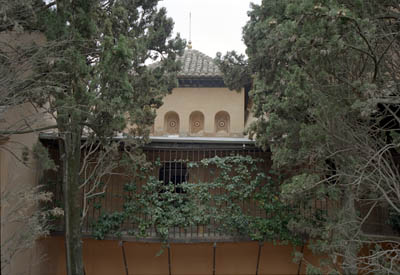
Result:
{"points": [[241, 200]]}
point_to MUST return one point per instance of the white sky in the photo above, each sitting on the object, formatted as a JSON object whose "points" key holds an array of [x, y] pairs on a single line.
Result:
{"points": [[216, 24]]}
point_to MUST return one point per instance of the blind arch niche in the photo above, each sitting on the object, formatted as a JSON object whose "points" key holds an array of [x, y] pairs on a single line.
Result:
{"points": [[171, 123], [196, 123], [222, 123]]}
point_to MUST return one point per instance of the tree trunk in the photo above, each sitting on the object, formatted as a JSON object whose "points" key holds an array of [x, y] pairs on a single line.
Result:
{"points": [[70, 154], [351, 225]]}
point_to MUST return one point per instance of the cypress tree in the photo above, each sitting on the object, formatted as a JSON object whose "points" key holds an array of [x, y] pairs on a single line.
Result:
{"points": [[325, 92], [91, 76]]}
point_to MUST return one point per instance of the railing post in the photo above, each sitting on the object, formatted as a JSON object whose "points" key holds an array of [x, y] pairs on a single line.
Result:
{"points": [[214, 251], [260, 244], [169, 259], [301, 260], [121, 243]]}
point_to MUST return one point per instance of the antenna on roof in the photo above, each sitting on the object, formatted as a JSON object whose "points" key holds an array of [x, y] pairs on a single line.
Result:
{"points": [[190, 31]]}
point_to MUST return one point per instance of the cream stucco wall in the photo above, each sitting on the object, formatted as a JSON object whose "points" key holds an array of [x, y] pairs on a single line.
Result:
{"points": [[209, 101], [18, 177], [15, 177]]}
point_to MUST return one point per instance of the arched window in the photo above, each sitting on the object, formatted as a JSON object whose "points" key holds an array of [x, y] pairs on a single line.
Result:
{"points": [[222, 123], [171, 123], [196, 122]]}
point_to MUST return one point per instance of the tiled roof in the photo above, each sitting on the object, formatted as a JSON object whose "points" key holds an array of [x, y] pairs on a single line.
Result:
{"points": [[197, 64]]}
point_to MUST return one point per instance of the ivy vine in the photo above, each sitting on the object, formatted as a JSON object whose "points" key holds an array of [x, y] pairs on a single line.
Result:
{"points": [[238, 183]]}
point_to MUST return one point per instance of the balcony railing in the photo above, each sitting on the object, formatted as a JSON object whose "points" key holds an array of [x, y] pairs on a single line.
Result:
{"points": [[173, 168]]}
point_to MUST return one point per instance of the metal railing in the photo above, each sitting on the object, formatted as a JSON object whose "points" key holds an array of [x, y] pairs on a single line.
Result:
{"points": [[172, 167]]}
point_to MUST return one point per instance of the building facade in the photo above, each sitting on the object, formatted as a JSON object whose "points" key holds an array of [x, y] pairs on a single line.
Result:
{"points": [[201, 119]]}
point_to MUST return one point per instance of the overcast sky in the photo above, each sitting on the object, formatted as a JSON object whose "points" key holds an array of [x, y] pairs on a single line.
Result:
{"points": [[216, 24]]}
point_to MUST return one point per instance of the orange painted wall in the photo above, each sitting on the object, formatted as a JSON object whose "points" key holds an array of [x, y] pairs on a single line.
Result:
{"points": [[106, 258]]}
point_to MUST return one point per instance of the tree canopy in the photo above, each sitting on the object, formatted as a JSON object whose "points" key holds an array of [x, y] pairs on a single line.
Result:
{"points": [[325, 92], [91, 76]]}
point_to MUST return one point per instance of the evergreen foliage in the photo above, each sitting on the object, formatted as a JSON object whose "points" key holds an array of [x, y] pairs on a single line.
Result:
{"points": [[91, 76], [326, 94], [241, 201]]}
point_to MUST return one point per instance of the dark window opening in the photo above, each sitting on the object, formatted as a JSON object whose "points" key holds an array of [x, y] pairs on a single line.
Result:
{"points": [[174, 173]]}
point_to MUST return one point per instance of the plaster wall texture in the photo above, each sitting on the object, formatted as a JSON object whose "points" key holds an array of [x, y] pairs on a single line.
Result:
{"points": [[15, 177], [209, 101]]}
